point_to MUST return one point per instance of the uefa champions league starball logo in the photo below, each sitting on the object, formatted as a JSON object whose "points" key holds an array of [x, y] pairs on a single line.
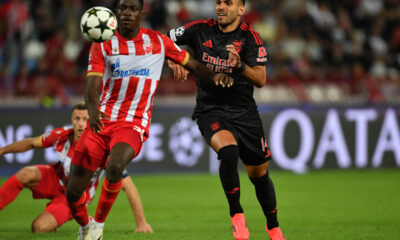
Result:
{"points": [[179, 31], [186, 142]]}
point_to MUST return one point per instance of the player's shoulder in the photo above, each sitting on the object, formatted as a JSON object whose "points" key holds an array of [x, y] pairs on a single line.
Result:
{"points": [[250, 33], [62, 131], [201, 23], [151, 32]]}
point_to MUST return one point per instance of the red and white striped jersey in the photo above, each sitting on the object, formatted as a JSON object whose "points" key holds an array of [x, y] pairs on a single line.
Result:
{"points": [[62, 140], [131, 70]]}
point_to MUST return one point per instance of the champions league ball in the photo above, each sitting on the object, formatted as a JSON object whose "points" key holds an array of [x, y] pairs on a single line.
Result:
{"points": [[98, 24]]}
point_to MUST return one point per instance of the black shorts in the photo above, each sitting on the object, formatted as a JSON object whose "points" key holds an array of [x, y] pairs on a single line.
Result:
{"points": [[247, 130]]}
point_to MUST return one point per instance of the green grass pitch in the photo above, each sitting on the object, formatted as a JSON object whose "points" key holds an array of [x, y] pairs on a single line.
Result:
{"points": [[326, 204]]}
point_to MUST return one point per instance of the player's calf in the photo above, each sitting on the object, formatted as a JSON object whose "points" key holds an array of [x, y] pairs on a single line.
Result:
{"points": [[9, 191]]}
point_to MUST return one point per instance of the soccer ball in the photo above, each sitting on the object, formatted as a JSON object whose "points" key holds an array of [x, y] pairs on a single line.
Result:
{"points": [[98, 24]]}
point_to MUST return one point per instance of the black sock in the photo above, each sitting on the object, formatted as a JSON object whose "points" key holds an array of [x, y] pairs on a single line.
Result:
{"points": [[228, 173], [265, 192]]}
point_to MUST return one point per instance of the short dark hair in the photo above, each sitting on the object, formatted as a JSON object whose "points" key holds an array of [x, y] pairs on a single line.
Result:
{"points": [[80, 106], [244, 2]]}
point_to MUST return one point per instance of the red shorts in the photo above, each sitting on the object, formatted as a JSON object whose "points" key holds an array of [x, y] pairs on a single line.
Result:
{"points": [[92, 149], [50, 187]]}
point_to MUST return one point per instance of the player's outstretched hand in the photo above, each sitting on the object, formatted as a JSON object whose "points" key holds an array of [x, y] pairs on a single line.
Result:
{"points": [[95, 117], [234, 56], [144, 228], [180, 73], [223, 80]]}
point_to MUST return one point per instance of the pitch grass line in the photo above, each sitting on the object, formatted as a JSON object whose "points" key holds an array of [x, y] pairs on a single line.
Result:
{"points": [[352, 204]]}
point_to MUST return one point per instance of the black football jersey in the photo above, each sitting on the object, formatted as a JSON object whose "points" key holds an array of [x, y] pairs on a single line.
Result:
{"points": [[208, 43]]}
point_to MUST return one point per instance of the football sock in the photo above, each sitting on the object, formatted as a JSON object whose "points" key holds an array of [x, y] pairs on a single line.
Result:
{"points": [[79, 211], [109, 193], [265, 192], [9, 191], [228, 173]]}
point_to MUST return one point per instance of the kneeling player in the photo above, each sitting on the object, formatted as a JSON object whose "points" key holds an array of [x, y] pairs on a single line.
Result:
{"points": [[49, 181]]}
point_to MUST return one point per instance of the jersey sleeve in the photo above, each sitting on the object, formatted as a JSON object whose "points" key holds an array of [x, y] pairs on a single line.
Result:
{"points": [[256, 53], [175, 53], [96, 61], [49, 139], [184, 35]]}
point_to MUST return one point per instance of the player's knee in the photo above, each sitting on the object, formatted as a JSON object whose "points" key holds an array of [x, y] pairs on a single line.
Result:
{"points": [[114, 171], [258, 171], [260, 180], [41, 227], [72, 195], [28, 175], [229, 156]]}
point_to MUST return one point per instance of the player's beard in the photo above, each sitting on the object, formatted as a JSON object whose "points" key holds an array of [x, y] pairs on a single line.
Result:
{"points": [[226, 24], [228, 21]]}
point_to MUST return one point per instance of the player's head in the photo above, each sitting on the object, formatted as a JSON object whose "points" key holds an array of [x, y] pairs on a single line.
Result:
{"points": [[229, 11], [79, 119], [129, 13]]}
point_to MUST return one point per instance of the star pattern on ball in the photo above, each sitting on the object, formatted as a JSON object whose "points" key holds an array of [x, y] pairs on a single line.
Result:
{"points": [[103, 25], [85, 28], [92, 12]]}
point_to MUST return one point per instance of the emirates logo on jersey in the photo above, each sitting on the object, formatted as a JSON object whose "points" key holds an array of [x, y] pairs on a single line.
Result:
{"points": [[238, 45]]}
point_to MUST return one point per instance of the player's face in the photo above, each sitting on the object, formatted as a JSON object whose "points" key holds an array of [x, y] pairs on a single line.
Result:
{"points": [[79, 121], [129, 14], [229, 11]]}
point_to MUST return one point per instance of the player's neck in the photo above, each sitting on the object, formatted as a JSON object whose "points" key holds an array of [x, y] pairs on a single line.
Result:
{"points": [[129, 34], [229, 27]]}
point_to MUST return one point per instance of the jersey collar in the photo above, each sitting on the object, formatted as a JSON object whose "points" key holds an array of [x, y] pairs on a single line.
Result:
{"points": [[227, 33]]}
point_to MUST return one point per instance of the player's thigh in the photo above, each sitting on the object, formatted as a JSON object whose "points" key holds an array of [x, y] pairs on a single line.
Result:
{"points": [[217, 132], [29, 176], [253, 149], [49, 184], [91, 150], [125, 144]]}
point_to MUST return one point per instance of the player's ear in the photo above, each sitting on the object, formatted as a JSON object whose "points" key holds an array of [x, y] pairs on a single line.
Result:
{"points": [[142, 15], [242, 10]]}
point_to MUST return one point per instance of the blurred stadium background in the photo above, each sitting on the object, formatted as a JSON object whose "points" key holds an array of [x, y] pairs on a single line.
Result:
{"points": [[320, 51], [332, 97], [332, 101]]}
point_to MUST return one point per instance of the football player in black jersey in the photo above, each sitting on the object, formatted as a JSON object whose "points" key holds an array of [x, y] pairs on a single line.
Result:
{"points": [[228, 117]]}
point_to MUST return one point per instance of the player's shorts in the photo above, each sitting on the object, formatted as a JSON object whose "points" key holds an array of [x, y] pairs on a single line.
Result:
{"points": [[92, 149], [247, 130], [49, 187]]}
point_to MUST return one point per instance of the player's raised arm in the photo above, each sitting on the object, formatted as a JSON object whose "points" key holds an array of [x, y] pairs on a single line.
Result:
{"points": [[92, 99], [173, 52], [256, 74], [23, 145], [136, 204]]}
